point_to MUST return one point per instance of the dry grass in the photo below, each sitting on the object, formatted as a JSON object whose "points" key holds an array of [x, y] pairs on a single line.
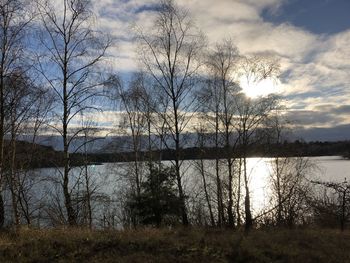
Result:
{"points": [[179, 245]]}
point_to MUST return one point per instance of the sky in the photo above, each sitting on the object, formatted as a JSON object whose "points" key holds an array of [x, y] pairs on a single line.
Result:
{"points": [[310, 37]]}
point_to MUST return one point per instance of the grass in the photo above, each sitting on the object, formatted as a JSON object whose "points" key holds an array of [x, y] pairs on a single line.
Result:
{"points": [[177, 245]]}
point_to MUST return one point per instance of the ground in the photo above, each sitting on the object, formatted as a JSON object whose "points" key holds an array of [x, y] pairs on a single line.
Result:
{"points": [[175, 245]]}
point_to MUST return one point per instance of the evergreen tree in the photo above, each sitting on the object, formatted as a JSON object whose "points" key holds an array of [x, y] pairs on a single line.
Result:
{"points": [[158, 202]]}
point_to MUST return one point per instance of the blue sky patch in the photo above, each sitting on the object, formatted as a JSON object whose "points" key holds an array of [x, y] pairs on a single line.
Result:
{"points": [[316, 16]]}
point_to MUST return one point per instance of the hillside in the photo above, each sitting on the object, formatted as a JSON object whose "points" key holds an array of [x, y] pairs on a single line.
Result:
{"points": [[296, 148], [33, 155]]}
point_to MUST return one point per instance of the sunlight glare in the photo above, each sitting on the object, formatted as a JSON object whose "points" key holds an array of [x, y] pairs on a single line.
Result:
{"points": [[259, 89], [258, 172]]}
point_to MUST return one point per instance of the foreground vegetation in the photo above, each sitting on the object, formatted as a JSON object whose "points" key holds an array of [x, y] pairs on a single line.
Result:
{"points": [[175, 245]]}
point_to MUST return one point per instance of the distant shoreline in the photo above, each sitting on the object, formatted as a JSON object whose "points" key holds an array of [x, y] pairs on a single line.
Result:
{"points": [[47, 157], [295, 149]]}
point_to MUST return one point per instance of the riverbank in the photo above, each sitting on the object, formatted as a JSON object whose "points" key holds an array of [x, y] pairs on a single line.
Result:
{"points": [[177, 245]]}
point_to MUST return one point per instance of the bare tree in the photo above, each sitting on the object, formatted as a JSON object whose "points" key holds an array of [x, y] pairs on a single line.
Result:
{"points": [[209, 99], [30, 202], [132, 103], [168, 52], [200, 166], [70, 67], [342, 190], [87, 193], [222, 64], [14, 19], [252, 114], [22, 99], [136, 123], [289, 189]]}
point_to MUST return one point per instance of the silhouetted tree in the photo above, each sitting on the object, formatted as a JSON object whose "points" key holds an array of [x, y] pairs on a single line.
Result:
{"points": [[169, 53], [342, 190], [158, 202], [222, 64], [70, 68], [22, 101], [200, 166], [253, 112], [14, 19]]}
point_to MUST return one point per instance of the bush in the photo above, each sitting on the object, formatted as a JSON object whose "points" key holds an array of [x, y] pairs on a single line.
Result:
{"points": [[158, 203]]}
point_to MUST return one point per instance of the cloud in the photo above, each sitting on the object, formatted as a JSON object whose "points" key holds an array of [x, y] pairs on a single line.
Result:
{"points": [[345, 109], [314, 118], [240, 20], [336, 133], [316, 68], [325, 76], [337, 52]]}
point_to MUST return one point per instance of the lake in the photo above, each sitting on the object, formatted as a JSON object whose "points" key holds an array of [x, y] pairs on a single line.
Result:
{"points": [[111, 184]]}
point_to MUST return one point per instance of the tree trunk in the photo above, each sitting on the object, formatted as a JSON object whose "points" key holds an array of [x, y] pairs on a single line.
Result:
{"points": [[2, 212], [67, 196], [227, 123], [2, 123], [207, 198], [88, 193], [177, 168], [343, 208], [279, 194], [231, 218], [248, 214], [13, 180], [221, 214], [238, 212]]}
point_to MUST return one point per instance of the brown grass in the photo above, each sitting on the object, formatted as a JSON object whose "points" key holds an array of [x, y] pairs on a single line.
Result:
{"points": [[177, 245]]}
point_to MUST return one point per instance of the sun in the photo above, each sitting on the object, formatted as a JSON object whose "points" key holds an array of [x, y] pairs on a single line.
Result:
{"points": [[255, 89]]}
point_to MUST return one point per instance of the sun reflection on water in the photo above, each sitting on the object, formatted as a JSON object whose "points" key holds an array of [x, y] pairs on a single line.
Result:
{"points": [[258, 171]]}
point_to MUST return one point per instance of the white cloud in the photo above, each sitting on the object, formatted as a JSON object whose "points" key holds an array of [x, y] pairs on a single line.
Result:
{"points": [[326, 73], [317, 67], [337, 55]]}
